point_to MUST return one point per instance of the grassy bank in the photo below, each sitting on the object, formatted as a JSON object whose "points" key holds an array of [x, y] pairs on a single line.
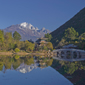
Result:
{"points": [[6, 53], [22, 53]]}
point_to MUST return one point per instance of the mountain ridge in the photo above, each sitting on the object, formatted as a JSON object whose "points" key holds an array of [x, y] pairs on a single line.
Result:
{"points": [[27, 31]]}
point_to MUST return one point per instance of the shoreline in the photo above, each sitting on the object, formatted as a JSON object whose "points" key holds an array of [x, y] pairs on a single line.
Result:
{"points": [[21, 53]]}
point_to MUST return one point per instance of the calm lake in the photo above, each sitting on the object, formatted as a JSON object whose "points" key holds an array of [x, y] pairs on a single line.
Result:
{"points": [[34, 70]]}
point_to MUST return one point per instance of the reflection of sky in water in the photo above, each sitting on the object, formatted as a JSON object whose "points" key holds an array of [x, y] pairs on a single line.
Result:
{"points": [[38, 76]]}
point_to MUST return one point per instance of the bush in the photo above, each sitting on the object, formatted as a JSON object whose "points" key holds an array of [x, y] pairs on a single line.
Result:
{"points": [[17, 56], [17, 50]]}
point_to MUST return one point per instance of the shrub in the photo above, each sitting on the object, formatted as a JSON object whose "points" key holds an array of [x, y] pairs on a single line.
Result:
{"points": [[16, 56], [17, 50]]}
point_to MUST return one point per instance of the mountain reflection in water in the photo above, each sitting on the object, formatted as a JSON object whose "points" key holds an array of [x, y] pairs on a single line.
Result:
{"points": [[28, 63], [29, 71], [24, 64]]}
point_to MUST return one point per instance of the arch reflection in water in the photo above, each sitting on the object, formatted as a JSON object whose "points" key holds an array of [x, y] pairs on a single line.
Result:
{"points": [[62, 54], [58, 54], [75, 54], [68, 54], [79, 55]]}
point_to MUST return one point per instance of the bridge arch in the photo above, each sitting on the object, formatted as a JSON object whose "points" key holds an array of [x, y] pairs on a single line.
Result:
{"points": [[75, 55], [62, 54], [58, 54], [69, 54], [79, 55]]}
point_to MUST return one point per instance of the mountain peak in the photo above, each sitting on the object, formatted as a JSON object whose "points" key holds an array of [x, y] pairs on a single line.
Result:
{"points": [[43, 29], [24, 24], [28, 26], [27, 31]]}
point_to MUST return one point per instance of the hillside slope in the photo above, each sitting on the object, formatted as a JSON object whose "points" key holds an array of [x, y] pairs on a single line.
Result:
{"points": [[77, 22]]}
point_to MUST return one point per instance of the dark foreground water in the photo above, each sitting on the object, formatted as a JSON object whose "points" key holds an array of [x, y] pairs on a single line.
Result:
{"points": [[29, 70]]}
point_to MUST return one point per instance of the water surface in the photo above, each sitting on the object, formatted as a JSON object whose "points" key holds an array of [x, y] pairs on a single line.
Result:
{"points": [[29, 71]]}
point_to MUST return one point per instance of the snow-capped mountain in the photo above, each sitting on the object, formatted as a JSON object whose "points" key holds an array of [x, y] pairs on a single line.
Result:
{"points": [[28, 26], [27, 31], [23, 68]]}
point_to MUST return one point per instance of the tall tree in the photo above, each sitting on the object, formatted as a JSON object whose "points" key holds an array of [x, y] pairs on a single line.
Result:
{"points": [[70, 34], [49, 36], [49, 45], [16, 35], [29, 46], [1, 36], [8, 37], [82, 36]]}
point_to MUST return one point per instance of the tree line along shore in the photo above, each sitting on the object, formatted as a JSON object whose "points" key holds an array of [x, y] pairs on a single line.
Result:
{"points": [[11, 44]]}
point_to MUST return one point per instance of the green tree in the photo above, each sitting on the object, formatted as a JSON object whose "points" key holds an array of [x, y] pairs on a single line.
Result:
{"points": [[8, 37], [61, 43], [49, 62], [8, 42], [1, 66], [44, 47], [16, 36], [29, 61], [17, 56], [29, 46], [1, 39], [1, 36], [17, 50], [82, 36], [49, 36], [49, 45], [70, 34]]}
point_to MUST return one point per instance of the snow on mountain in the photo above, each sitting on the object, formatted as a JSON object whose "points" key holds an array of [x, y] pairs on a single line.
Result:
{"points": [[28, 26], [24, 24]]}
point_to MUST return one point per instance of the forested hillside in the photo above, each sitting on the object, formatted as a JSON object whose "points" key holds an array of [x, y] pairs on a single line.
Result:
{"points": [[77, 22]]}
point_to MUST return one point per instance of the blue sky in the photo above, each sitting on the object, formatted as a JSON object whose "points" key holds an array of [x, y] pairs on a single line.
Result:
{"points": [[40, 13]]}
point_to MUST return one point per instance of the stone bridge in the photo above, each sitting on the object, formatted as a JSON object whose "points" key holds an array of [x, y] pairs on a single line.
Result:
{"points": [[69, 54]]}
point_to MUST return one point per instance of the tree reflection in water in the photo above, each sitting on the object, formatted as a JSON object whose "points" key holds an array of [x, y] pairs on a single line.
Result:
{"points": [[15, 61], [74, 71], [31, 62], [68, 67]]}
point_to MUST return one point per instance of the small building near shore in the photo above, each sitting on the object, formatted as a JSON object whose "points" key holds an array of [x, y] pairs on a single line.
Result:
{"points": [[41, 41]]}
